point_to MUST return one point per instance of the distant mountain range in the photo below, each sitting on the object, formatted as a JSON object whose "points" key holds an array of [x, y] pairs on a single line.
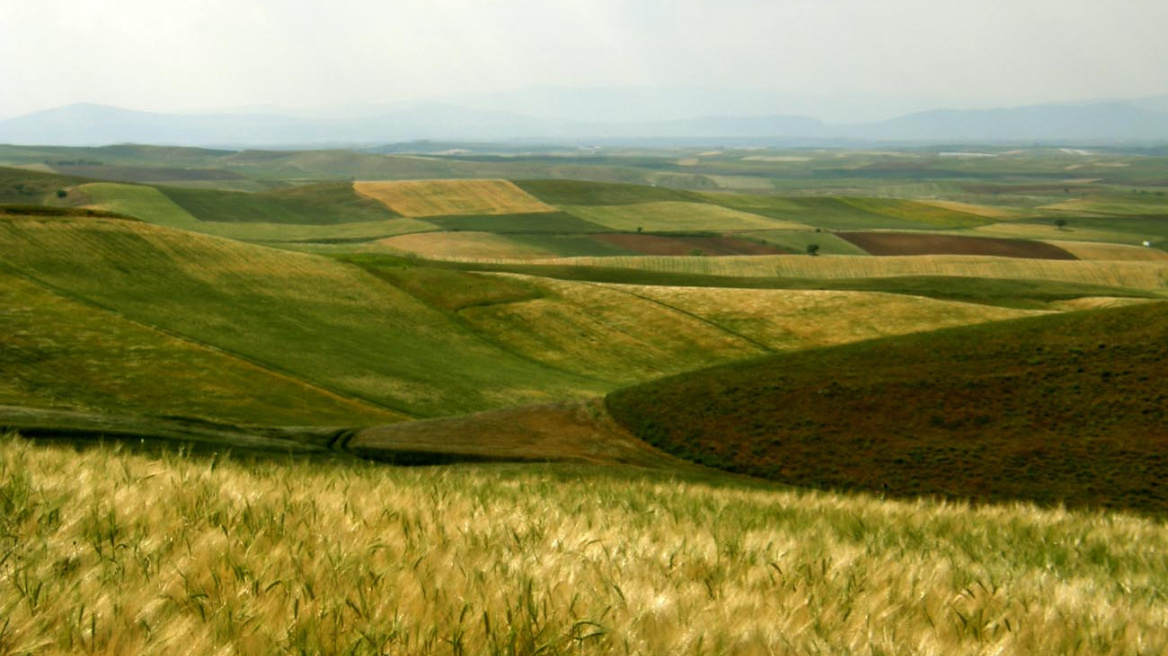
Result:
{"points": [[1130, 121]]}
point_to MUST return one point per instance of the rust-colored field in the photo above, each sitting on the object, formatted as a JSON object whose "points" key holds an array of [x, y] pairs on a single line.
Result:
{"points": [[909, 243], [683, 245], [422, 198]]}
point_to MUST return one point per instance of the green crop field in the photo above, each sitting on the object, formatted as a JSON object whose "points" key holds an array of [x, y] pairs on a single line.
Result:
{"points": [[576, 192], [57, 351], [270, 306], [677, 216], [322, 204]]}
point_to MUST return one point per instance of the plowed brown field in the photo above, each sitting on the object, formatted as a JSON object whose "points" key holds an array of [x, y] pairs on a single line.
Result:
{"points": [[663, 245], [910, 243]]}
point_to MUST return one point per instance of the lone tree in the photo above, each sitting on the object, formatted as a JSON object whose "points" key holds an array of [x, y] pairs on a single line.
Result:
{"points": [[813, 249], [1061, 223]]}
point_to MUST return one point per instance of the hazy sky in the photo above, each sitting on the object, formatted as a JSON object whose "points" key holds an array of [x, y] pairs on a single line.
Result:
{"points": [[169, 55]]}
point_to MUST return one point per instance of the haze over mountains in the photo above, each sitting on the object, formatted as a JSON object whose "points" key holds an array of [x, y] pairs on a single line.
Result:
{"points": [[648, 119]]}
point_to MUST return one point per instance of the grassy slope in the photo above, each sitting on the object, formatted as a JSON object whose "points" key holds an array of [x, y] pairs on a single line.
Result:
{"points": [[430, 342], [1061, 408], [321, 320], [152, 205], [319, 204], [847, 213], [1135, 275], [626, 332], [1030, 294], [576, 192], [672, 215], [27, 187], [55, 351]]}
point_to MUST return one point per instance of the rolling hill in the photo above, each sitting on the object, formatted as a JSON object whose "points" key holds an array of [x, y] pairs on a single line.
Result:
{"points": [[1057, 409]]}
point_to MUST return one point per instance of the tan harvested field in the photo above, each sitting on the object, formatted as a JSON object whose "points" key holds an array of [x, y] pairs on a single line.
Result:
{"points": [[462, 245], [1112, 252], [673, 215], [1136, 275], [913, 243], [419, 199]]}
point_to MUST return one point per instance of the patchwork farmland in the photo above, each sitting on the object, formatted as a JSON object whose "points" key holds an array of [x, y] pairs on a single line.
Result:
{"points": [[746, 400]]}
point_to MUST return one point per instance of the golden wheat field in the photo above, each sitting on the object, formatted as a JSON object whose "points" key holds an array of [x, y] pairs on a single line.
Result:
{"points": [[107, 552], [423, 198]]}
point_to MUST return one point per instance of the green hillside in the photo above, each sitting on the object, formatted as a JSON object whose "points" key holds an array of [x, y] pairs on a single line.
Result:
{"points": [[318, 204], [310, 317], [1067, 408]]}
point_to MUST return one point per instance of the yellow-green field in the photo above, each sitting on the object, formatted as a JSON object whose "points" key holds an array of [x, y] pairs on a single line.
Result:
{"points": [[107, 552], [1136, 275], [634, 332], [460, 245], [985, 211], [1111, 252], [151, 205], [420, 199], [57, 351], [1051, 232], [666, 216]]}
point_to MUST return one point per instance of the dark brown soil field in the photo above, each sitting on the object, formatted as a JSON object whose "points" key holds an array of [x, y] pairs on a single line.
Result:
{"points": [[1067, 409], [911, 243], [687, 245]]}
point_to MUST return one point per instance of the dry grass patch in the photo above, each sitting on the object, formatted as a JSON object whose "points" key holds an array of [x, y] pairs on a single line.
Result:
{"points": [[425, 198], [106, 552]]}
